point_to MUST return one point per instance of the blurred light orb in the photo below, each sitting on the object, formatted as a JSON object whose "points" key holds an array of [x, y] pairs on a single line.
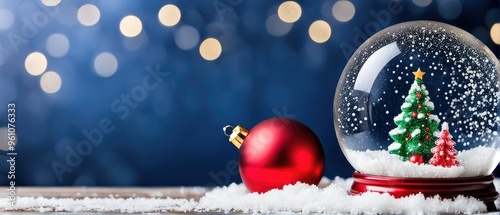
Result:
{"points": [[88, 15], [7, 19], [289, 11], [495, 33], [169, 15], [186, 37], [35, 63], [210, 49], [320, 31], [105, 64], [449, 9], [57, 45], [50, 82], [50, 3], [422, 3], [343, 11], [131, 26], [276, 27], [4, 139]]}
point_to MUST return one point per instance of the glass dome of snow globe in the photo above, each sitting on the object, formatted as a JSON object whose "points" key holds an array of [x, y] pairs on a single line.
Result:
{"points": [[420, 99]]}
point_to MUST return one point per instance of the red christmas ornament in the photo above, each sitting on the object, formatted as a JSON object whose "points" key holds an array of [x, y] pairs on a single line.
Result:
{"points": [[419, 106], [419, 95], [428, 114], [427, 129], [426, 137], [414, 114], [416, 159], [409, 135], [278, 152]]}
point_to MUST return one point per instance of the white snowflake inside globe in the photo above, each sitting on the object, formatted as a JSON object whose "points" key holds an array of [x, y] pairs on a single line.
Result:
{"points": [[421, 100]]}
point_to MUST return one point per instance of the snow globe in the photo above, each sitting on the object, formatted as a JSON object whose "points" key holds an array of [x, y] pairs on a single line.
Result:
{"points": [[417, 110]]}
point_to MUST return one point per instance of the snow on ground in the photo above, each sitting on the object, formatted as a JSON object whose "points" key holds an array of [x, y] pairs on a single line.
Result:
{"points": [[299, 198], [332, 197], [113, 205], [479, 161]]}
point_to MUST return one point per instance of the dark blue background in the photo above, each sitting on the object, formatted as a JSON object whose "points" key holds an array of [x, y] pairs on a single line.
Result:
{"points": [[174, 137]]}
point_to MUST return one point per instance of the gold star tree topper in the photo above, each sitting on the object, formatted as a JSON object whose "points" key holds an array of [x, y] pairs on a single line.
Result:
{"points": [[419, 74]]}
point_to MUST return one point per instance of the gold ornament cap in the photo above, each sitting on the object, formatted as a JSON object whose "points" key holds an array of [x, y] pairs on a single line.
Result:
{"points": [[237, 136]]}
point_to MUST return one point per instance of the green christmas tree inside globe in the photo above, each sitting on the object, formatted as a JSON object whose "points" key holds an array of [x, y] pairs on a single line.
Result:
{"points": [[417, 127]]}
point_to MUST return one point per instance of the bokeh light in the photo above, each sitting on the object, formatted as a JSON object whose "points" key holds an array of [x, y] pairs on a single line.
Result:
{"points": [[105, 64], [186, 37], [131, 26], [35, 63], [210, 49], [169, 15], [289, 11], [88, 15], [51, 3], [57, 45], [50, 82], [449, 9], [276, 27], [6, 19], [343, 11], [495, 33], [422, 3], [320, 31]]}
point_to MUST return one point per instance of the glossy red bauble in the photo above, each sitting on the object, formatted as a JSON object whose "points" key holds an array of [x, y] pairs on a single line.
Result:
{"points": [[416, 159], [278, 152]]}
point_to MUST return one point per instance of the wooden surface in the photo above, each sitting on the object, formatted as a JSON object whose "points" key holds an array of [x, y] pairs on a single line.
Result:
{"points": [[109, 192]]}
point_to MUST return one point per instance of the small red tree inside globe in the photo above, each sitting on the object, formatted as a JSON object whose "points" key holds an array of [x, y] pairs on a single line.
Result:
{"points": [[444, 153]]}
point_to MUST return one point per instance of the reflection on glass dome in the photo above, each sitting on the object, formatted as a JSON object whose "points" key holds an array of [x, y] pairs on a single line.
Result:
{"points": [[402, 86]]}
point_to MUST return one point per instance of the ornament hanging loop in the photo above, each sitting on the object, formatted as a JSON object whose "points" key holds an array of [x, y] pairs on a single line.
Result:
{"points": [[225, 128]]}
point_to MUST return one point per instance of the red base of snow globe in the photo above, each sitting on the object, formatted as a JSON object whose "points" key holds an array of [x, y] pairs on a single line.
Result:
{"points": [[480, 187]]}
